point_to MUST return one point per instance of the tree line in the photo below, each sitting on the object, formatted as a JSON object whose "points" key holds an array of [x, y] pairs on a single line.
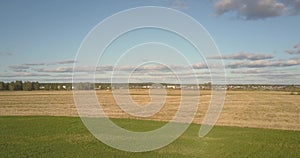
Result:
{"points": [[30, 86], [19, 86]]}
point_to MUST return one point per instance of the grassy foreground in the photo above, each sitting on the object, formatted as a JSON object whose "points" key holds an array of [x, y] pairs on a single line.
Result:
{"points": [[45, 136]]}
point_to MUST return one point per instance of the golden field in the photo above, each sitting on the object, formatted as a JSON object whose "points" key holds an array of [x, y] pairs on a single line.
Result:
{"points": [[262, 109]]}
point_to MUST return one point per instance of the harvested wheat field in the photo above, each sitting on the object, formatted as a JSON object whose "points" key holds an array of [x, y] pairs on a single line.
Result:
{"points": [[262, 109]]}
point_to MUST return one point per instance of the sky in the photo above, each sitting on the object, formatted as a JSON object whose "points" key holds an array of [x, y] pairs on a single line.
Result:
{"points": [[258, 41]]}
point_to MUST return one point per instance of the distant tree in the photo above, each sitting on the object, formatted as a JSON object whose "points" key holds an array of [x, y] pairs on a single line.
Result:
{"points": [[208, 85], [6, 86], [69, 87], [84, 86], [291, 88], [59, 86], [47, 86], [11, 86], [2, 86], [27, 86], [52, 86], [18, 85], [36, 85]]}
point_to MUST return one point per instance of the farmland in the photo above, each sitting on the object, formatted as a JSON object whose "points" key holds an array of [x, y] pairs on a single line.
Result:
{"points": [[260, 109], [252, 124]]}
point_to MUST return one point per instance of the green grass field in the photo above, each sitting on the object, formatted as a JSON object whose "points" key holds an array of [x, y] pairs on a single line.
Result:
{"points": [[45, 136]]}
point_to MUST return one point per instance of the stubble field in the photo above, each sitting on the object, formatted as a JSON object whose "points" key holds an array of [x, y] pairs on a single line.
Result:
{"points": [[46, 124], [261, 109]]}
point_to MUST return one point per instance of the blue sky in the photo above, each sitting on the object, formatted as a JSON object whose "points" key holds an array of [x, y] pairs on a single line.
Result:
{"points": [[258, 39]]}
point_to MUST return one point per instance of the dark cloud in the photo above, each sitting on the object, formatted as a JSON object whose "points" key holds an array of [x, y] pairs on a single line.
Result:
{"points": [[24, 74], [200, 66], [295, 50], [281, 75], [250, 9], [296, 58], [160, 68], [293, 6], [258, 9], [179, 4], [19, 68], [6, 54], [249, 71], [24, 67], [105, 68], [146, 68], [62, 62], [55, 70], [211, 66], [77, 69], [244, 56], [34, 64], [264, 63], [66, 62], [88, 69]]}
